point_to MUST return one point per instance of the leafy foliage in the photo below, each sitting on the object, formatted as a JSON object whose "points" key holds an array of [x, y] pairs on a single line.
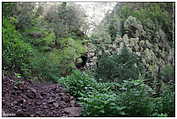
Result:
{"points": [[8, 9], [136, 98], [40, 37], [16, 52], [164, 104], [167, 73], [123, 66], [102, 104], [57, 62], [44, 67], [36, 36], [70, 49], [168, 101], [45, 45], [78, 83], [129, 98]]}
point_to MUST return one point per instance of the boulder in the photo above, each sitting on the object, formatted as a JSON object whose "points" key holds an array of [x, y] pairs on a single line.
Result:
{"points": [[35, 34], [133, 27], [73, 111]]}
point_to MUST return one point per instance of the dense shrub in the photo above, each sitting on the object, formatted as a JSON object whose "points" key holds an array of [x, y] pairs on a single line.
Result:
{"points": [[8, 9], [16, 52], [168, 101], [97, 99], [44, 67], [72, 47], [107, 87], [135, 96], [40, 37], [81, 84], [102, 104], [132, 99], [118, 67], [167, 73], [165, 102], [78, 83], [129, 98], [69, 50], [57, 61]]}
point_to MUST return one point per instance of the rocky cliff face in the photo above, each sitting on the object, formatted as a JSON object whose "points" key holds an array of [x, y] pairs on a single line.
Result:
{"points": [[154, 50]]}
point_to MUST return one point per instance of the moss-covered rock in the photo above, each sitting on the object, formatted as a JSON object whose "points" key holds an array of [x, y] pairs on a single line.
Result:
{"points": [[133, 27]]}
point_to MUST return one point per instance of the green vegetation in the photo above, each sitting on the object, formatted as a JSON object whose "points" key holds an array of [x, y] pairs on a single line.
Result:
{"points": [[153, 17], [118, 99], [31, 45], [78, 83], [16, 52], [117, 68], [167, 73], [133, 73]]}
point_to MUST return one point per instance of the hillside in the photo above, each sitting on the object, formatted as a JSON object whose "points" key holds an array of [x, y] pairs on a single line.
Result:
{"points": [[89, 59]]}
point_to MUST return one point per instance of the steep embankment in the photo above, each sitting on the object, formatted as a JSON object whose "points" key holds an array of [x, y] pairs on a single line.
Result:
{"points": [[141, 28]]}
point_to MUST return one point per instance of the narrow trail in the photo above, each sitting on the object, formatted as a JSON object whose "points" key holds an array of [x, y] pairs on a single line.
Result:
{"points": [[24, 98]]}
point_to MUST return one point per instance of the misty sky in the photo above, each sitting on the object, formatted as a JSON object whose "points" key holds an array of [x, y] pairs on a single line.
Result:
{"points": [[96, 11]]}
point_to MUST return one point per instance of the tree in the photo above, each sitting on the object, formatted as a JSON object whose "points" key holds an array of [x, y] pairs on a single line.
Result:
{"points": [[66, 19]]}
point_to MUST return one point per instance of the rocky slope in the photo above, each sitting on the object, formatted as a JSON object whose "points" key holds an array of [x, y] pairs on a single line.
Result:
{"points": [[149, 42], [24, 98]]}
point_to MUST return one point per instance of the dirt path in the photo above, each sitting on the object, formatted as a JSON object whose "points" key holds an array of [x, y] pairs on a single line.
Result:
{"points": [[25, 98]]}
